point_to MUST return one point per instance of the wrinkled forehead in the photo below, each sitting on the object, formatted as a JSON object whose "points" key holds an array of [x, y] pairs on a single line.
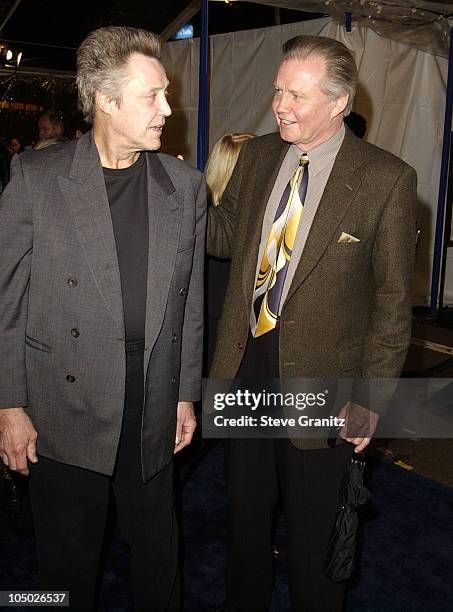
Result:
{"points": [[311, 68], [146, 71]]}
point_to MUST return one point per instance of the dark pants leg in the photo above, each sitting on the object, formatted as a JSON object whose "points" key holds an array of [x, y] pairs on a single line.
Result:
{"points": [[145, 510], [69, 511], [309, 481], [70, 506], [253, 493]]}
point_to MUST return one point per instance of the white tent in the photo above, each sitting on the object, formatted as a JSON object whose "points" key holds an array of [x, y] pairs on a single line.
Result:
{"points": [[401, 94]]}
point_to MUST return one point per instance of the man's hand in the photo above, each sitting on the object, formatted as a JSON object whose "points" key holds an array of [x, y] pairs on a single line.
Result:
{"points": [[17, 439], [185, 425], [360, 425], [360, 443]]}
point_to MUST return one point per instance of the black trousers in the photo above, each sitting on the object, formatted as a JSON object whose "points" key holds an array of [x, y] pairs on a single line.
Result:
{"points": [[70, 508], [308, 482]]}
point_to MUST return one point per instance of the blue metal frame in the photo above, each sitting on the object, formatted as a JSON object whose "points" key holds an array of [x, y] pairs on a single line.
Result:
{"points": [[348, 21], [443, 183], [203, 89]]}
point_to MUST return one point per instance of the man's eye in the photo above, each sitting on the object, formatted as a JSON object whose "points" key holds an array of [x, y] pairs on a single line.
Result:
{"points": [[277, 91]]}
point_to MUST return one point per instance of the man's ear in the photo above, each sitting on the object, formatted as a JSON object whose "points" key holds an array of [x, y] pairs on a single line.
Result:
{"points": [[104, 103], [340, 104]]}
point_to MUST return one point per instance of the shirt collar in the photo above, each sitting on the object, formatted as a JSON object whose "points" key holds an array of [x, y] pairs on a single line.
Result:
{"points": [[323, 154]]}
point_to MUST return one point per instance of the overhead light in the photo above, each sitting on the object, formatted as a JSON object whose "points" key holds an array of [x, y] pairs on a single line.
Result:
{"points": [[8, 57], [185, 32]]}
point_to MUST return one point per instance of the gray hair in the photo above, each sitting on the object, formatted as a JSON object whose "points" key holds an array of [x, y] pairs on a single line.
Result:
{"points": [[102, 62], [341, 69]]}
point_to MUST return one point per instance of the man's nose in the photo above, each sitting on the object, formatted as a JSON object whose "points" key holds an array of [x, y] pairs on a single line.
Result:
{"points": [[165, 109], [282, 103]]}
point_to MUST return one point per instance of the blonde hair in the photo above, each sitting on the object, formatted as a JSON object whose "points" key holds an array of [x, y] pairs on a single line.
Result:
{"points": [[341, 69], [43, 143], [102, 62], [221, 163]]}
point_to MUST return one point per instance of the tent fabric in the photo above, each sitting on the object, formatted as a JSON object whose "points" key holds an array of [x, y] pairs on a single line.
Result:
{"points": [[421, 24], [401, 94]]}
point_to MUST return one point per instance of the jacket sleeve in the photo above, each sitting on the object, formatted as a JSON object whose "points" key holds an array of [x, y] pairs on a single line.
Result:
{"points": [[16, 248], [393, 259], [389, 332], [222, 218], [192, 335]]}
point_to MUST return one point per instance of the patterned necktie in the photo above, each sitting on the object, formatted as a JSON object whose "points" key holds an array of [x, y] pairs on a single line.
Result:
{"points": [[277, 253]]}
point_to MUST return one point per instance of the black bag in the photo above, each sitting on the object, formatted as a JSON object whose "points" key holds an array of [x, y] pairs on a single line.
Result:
{"points": [[342, 544]]}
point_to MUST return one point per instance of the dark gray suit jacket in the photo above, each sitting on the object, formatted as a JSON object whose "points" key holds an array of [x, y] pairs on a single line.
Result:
{"points": [[59, 271]]}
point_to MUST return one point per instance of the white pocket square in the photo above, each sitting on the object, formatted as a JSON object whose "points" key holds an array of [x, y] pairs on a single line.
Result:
{"points": [[347, 238]]}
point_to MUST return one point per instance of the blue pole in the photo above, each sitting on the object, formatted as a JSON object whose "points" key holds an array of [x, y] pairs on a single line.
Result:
{"points": [[203, 89], [348, 21], [442, 184]]}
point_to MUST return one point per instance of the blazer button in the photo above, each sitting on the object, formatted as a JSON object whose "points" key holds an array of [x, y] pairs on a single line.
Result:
{"points": [[182, 291], [240, 346], [173, 380], [73, 282], [75, 332], [70, 378], [174, 338]]}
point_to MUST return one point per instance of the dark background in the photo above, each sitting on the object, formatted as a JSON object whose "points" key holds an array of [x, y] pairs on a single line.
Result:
{"points": [[48, 33]]}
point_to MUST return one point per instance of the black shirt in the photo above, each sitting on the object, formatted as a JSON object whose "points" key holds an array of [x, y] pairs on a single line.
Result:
{"points": [[127, 192]]}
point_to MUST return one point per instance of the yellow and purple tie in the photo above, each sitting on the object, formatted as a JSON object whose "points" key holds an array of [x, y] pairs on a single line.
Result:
{"points": [[277, 253]]}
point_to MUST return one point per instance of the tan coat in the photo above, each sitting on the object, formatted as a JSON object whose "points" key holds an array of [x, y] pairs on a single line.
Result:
{"points": [[348, 310]]}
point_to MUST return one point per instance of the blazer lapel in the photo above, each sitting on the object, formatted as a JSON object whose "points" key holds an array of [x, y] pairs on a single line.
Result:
{"points": [[85, 193], [164, 213], [273, 155], [339, 193]]}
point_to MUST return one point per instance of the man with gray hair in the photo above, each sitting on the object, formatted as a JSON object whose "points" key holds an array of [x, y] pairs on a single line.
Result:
{"points": [[320, 229], [101, 317], [50, 125]]}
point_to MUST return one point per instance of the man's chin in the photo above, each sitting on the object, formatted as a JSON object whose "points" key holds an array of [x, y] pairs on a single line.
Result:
{"points": [[153, 144], [285, 135]]}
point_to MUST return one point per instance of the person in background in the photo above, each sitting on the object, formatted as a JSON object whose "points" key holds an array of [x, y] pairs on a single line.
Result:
{"points": [[218, 171], [43, 143], [78, 126], [15, 146], [5, 161], [50, 125], [356, 123]]}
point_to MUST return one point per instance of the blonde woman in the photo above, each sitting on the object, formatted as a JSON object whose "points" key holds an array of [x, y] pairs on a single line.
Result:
{"points": [[218, 171]]}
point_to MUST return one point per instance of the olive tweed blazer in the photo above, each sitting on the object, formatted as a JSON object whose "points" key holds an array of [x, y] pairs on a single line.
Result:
{"points": [[348, 310]]}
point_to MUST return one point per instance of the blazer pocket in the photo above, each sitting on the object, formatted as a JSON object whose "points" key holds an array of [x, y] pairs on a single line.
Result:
{"points": [[37, 344], [345, 248], [186, 243]]}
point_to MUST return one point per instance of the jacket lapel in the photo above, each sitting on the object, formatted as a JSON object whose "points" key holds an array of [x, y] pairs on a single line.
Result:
{"points": [[164, 212], [273, 154], [85, 193], [339, 193]]}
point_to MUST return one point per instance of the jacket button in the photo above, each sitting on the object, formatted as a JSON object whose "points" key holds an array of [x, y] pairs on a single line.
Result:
{"points": [[174, 338], [75, 332], [73, 282], [173, 380], [70, 378], [182, 291], [240, 346]]}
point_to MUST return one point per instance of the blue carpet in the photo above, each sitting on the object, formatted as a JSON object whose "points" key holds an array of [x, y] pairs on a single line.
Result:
{"points": [[405, 561]]}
